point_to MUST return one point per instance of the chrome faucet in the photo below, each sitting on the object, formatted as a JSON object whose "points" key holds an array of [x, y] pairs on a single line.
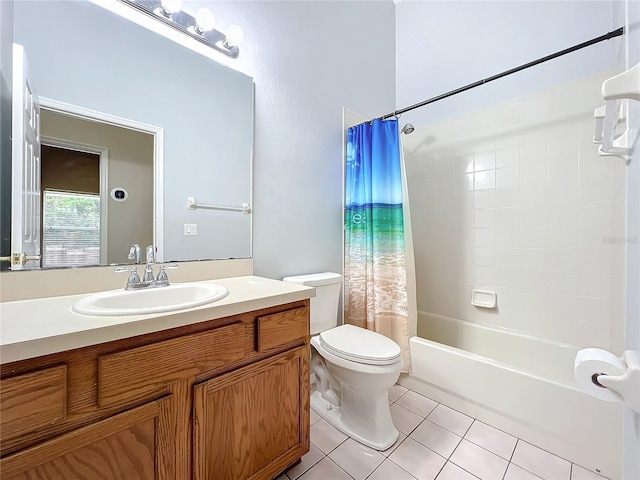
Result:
{"points": [[151, 254], [148, 270], [134, 282], [135, 252]]}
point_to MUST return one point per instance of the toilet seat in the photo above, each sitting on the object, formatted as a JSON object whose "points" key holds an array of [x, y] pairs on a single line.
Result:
{"points": [[360, 345]]}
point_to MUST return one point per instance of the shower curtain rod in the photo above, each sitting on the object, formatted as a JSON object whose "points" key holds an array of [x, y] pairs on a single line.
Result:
{"points": [[608, 36]]}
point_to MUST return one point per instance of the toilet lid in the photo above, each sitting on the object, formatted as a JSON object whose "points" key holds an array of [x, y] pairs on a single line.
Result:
{"points": [[360, 345]]}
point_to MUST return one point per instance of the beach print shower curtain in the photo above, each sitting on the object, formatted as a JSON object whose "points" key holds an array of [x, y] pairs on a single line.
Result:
{"points": [[375, 264]]}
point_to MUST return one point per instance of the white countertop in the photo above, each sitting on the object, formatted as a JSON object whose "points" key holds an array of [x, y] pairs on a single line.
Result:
{"points": [[32, 328]]}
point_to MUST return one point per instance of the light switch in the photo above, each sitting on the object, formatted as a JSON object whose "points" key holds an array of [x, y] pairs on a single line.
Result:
{"points": [[191, 229]]}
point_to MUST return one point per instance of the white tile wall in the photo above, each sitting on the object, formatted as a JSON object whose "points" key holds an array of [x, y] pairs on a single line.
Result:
{"points": [[516, 199]]}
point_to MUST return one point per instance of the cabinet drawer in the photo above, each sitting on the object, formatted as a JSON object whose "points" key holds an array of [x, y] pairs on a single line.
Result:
{"points": [[124, 446], [281, 328], [32, 401], [140, 372]]}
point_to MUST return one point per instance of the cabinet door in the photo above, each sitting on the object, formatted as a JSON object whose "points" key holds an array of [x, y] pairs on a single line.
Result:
{"points": [[254, 422], [126, 446]]}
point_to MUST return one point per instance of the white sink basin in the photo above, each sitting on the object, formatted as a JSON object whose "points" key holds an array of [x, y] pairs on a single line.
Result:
{"points": [[177, 296]]}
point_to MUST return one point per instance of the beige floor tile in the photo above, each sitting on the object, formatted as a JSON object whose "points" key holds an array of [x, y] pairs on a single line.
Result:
{"points": [[308, 460], [390, 471], [492, 439], [324, 470], [404, 420], [389, 450], [417, 403], [451, 419], [483, 453], [453, 472], [437, 438], [418, 460], [540, 462], [480, 462], [514, 472], [396, 392], [579, 473], [356, 459], [314, 417], [325, 436]]}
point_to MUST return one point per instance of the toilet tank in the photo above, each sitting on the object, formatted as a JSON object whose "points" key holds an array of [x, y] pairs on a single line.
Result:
{"points": [[324, 306]]}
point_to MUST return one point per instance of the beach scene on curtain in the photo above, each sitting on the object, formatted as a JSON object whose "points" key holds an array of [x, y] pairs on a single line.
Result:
{"points": [[375, 266]]}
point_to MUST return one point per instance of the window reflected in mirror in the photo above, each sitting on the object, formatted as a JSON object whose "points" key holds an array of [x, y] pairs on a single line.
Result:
{"points": [[71, 229]]}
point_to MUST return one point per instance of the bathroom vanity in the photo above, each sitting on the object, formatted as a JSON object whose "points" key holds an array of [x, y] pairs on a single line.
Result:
{"points": [[215, 392]]}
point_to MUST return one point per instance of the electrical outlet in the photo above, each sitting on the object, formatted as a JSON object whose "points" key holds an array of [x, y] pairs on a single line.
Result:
{"points": [[190, 229]]}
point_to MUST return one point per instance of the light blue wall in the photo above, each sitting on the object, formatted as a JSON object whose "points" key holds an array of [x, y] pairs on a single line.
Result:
{"points": [[443, 45], [309, 60]]}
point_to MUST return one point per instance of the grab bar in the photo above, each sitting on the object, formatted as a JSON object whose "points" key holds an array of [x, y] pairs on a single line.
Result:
{"points": [[192, 205]]}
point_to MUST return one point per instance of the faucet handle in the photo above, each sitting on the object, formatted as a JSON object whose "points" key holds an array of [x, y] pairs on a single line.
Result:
{"points": [[162, 280], [133, 276], [151, 254], [148, 273]]}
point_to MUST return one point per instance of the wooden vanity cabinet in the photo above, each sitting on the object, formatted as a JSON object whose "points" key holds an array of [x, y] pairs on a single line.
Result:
{"points": [[221, 399]]}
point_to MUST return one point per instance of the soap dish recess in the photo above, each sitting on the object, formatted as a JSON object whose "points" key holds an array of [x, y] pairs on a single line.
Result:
{"points": [[483, 298]]}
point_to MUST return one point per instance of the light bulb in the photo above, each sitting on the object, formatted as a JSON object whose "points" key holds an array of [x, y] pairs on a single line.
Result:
{"points": [[205, 20], [235, 35], [171, 6]]}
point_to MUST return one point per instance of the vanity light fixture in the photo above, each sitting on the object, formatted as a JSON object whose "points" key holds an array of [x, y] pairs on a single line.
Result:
{"points": [[204, 21], [235, 35], [199, 26], [168, 7]]}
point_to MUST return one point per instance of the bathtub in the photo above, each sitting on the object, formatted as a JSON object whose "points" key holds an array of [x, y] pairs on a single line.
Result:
{"points": [[518, 383]]}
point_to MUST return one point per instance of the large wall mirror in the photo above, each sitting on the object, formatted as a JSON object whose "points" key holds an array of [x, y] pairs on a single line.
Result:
{"points": [[132, 126]]}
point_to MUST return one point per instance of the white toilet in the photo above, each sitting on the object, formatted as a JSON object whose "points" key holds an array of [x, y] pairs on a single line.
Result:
{"points": [[354, 368]]}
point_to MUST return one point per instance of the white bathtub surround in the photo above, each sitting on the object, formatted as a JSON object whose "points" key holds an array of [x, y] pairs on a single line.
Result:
{"points": [[514, 199], [430, 451]]}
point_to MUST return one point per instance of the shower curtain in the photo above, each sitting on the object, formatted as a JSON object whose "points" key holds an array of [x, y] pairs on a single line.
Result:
{"points": [[375, 261]]}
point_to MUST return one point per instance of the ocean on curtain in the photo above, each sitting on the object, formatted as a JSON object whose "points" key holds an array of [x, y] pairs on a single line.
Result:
{"points": [[375, 262]]}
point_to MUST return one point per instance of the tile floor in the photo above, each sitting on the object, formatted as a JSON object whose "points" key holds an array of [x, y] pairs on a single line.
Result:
{"points": [[435, 442]]}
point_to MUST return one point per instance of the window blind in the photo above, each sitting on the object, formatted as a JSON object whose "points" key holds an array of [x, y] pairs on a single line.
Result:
{"points": [[71, 224]]}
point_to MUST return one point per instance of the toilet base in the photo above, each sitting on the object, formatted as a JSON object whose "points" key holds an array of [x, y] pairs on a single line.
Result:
{"points": [[332, 415]]}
